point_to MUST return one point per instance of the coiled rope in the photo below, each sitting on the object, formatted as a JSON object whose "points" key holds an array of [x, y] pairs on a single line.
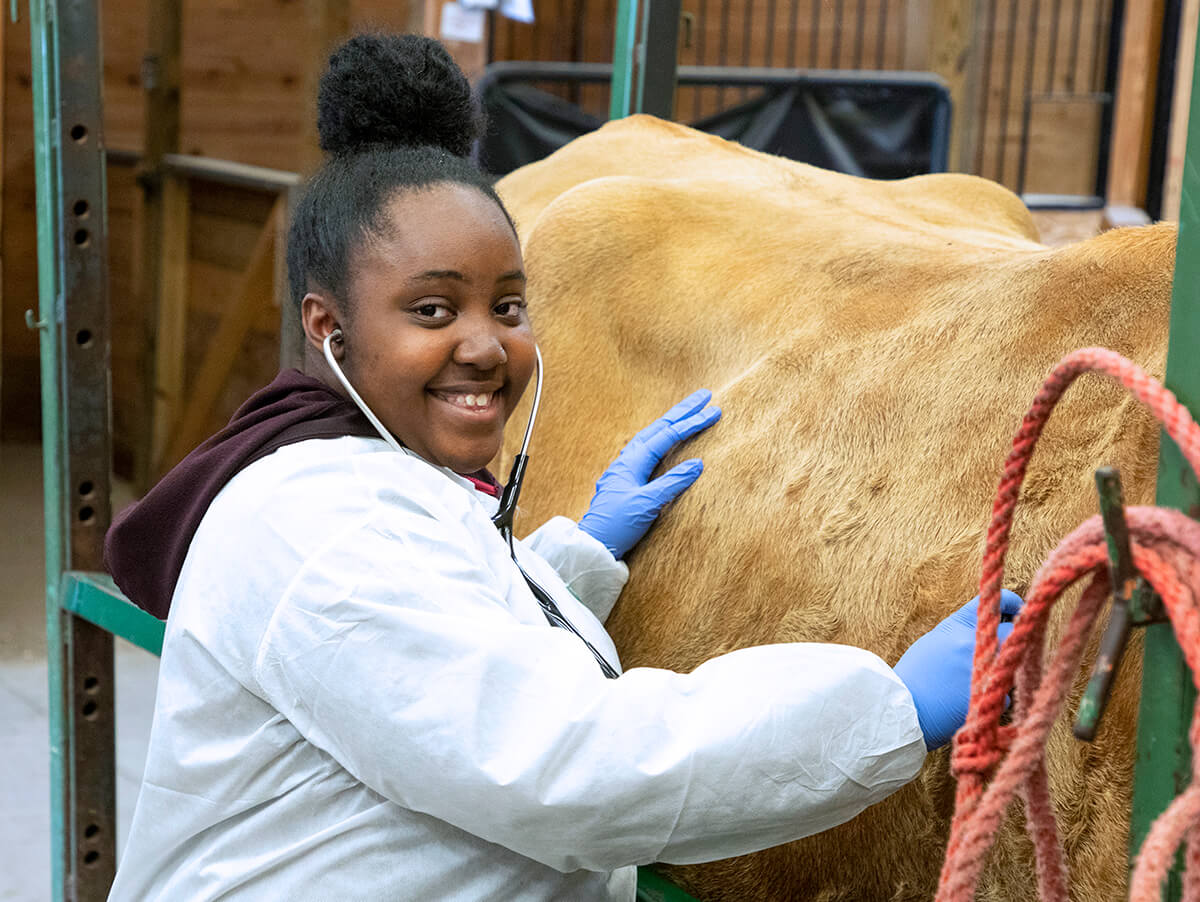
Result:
{"points": [[993, 763]]}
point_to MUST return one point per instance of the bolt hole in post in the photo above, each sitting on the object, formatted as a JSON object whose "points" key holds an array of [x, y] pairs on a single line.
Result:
{"points": [[91, 857], [91, 831], [82, 237], [87, 488], [81, 208], [87, 514], [89, 710], [91, 684], [83, 338], [79, 133]]}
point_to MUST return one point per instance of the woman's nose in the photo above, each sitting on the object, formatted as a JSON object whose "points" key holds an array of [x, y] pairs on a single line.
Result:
{"points": [[480, 347]]}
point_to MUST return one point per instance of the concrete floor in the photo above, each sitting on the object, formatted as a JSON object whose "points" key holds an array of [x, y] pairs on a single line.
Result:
{"points": [[24, 775]]}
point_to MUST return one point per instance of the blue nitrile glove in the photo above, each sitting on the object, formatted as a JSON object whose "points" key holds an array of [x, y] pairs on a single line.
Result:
{"points": [[625, 504], [937, 668]]}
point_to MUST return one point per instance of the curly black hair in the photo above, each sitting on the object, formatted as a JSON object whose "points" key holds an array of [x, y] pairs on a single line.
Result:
{"points": [[394, 113]]}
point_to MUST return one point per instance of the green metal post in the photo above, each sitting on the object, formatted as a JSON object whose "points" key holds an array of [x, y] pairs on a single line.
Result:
{"points": [[45, 137], [73, 330], [645, 54], [1162, 768], [621, 100]]}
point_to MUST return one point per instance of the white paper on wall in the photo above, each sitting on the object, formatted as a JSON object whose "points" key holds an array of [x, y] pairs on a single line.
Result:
{"points": [[461, 23]]}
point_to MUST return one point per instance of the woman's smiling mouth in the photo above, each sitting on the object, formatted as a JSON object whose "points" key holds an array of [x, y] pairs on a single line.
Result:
{"points": [[471, 402]]}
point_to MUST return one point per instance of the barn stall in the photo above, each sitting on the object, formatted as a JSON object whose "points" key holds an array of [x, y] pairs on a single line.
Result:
{"points": [[208, 229]]}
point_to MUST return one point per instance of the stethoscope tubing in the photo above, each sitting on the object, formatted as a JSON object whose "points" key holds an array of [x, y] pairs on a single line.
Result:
{"points": [[508, 497]]}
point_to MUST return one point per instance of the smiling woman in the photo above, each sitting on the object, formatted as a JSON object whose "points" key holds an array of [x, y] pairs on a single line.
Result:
{"points": [[367, 690], [435, 333]]}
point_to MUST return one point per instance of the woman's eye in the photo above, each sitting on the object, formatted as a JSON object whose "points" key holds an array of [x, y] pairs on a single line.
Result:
{"points": [[510, 308], [431, 311]]}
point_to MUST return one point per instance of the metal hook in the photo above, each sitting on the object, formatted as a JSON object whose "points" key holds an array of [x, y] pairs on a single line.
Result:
{"points": [[1134, 603], [34, 325]]}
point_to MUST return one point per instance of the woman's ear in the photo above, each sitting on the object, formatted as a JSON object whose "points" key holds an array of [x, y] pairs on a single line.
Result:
{"points": [[319, 317]]}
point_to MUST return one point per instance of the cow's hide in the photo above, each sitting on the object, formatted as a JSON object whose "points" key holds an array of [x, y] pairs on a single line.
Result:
{"points": [[874, 346]]}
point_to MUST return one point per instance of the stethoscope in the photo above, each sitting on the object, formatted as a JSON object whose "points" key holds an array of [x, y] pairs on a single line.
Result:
{"points": [[503, 518]]}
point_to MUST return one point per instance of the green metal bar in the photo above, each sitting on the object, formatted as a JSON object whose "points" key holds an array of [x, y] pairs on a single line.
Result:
{"points": [[1162, 767], [74, 348], [620, 102], [653, 888], [95, 598], [45, 144]]}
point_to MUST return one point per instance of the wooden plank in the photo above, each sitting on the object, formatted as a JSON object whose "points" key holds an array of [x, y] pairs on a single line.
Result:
{"points": [[1133, 116], [222, 240], [941, 37], [172, 312], [161, 74], [209, 288], [290, 329], [1180, 105], [1055, 166], [244, 307], [326, 23], [125, 311]]}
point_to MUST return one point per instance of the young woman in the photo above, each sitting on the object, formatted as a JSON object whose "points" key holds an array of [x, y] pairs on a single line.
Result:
{"points": [[365, 691]]}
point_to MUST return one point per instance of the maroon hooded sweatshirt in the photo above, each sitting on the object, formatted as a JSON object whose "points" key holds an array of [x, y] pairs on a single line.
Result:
{"points": [[145, 547]]}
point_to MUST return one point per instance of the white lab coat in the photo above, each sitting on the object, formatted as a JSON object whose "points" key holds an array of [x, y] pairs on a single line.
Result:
{"points": [[360, 698]]}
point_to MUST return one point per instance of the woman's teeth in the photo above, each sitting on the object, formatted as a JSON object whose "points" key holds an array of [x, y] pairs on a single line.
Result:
{"points": [[475, 402]]}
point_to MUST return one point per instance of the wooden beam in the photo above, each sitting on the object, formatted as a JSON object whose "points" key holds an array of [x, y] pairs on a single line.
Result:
{"points": [[161, 83], [918, 35], [171, 338], [327, 22], [942, 36], [1185, 60], [255, 291], [291, 332], [1133, 113]]}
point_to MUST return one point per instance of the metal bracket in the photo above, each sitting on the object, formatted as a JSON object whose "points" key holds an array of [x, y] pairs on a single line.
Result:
{"points": [[1134, 603]]}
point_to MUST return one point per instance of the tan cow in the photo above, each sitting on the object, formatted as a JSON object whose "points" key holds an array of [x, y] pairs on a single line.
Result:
{"points": [[873, 345]]}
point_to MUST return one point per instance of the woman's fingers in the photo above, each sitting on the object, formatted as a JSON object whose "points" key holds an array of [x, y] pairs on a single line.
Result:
{"points": [[671, 484]]}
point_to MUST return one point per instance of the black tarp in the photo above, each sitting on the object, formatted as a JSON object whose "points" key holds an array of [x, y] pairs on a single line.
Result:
{"points": [[878, 129]]}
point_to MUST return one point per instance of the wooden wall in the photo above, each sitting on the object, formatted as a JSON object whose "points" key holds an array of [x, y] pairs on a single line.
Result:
{"points": [[243, 99], [818, 34], [994, 53]]}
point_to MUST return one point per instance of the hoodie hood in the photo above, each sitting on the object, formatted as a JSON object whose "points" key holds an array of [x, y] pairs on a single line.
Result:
{"points": [[145, 547]]}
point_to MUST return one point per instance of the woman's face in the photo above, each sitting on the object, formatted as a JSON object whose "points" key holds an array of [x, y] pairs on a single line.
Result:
{"points": [[438, 340]]}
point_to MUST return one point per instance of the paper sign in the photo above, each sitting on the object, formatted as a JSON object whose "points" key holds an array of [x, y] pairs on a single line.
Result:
{"points": [[461, 24]]}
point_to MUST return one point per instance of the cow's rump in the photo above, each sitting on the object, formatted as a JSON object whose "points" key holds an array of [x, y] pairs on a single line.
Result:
{"points": [[873, 345]]}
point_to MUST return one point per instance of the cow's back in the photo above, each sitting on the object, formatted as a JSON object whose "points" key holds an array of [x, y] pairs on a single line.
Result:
{"points": [[874, 346]]}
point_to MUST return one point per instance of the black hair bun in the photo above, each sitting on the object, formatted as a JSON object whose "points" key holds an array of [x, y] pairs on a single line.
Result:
{"points": [[387, 89]]}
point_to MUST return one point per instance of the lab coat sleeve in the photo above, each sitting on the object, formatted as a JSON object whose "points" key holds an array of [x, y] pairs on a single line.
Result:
{"points": [[394, 651], [590, 571]]}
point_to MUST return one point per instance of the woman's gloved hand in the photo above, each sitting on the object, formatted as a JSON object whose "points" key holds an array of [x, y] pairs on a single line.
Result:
{"points": [[937, 668], [626, 504]]}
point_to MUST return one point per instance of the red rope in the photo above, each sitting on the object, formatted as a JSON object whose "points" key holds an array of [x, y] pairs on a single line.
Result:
{"points": [[994, 763]]}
